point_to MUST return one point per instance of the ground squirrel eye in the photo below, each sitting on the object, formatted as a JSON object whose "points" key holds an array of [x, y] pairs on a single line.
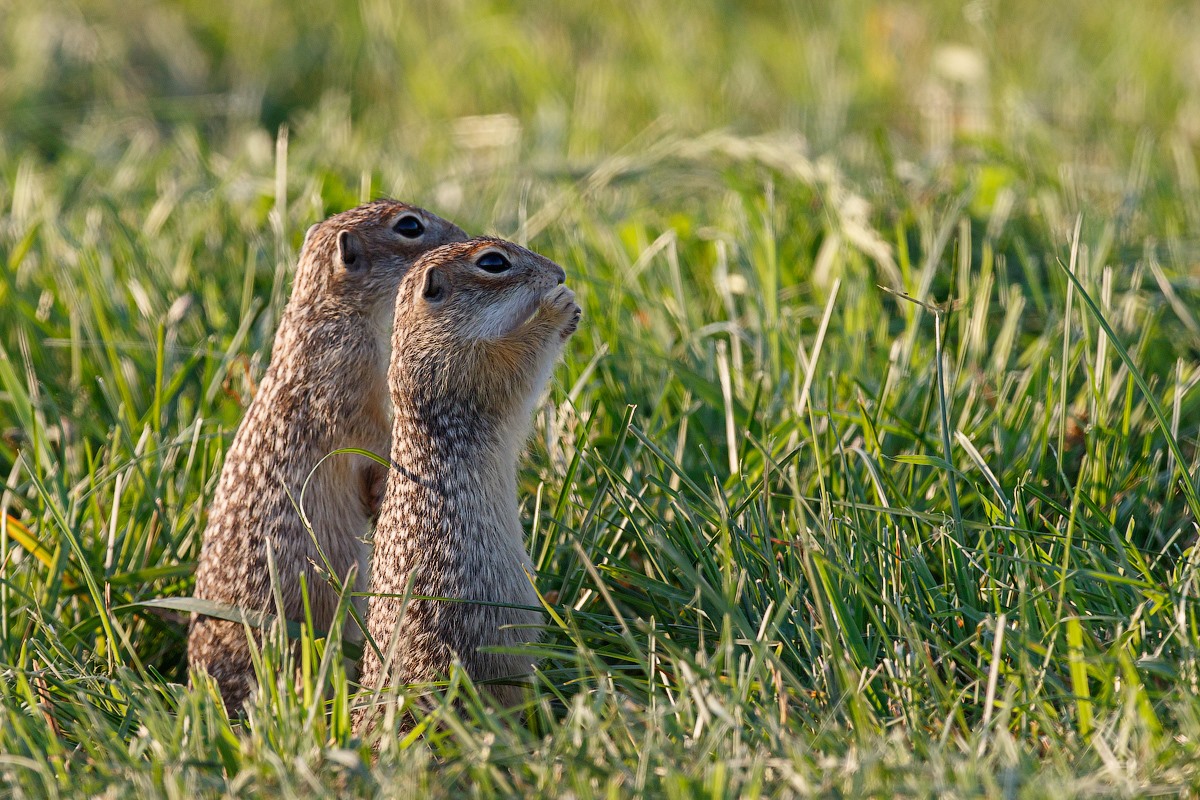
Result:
{"points": [[493, 262], [409, 227]]}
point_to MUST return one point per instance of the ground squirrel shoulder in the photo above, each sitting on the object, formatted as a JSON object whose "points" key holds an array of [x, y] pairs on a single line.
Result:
{"points": [[479, 327], [325, 389]]}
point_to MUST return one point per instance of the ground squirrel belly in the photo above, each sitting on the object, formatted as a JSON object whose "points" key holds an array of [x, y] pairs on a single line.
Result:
{"points": [[479, 327], [325, 389]]}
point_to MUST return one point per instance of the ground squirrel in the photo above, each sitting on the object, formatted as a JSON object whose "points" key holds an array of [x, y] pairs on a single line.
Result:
{"points": [[479, 327], [325, 389]]}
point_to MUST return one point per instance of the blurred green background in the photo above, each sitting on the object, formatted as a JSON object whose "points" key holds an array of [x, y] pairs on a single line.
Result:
{"points": [[584, 80]]}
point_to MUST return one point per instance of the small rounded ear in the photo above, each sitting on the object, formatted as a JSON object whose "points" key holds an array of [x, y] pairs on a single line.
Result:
{"points": [[437, 286], [350, 252]]}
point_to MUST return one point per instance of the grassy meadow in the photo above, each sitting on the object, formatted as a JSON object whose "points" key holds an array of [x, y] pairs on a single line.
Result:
{"points": [[872, 470]]}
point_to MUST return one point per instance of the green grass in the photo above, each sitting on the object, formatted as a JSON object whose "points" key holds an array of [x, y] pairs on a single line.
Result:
{"points": [[872, 469]]}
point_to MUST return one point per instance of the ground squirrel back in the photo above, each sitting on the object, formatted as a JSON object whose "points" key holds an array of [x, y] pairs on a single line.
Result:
{"points": [[325, 389]]}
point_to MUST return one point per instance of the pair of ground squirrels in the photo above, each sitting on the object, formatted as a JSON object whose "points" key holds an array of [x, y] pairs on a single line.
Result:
{"points": [[478, 326]]}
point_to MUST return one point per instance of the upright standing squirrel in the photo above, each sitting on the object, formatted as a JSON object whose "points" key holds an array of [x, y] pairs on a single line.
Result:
{"points": [[325, 389], [479, 327]]}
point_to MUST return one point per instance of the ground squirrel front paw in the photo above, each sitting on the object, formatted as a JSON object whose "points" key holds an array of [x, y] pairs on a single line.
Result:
{"points": [[560, 303]]}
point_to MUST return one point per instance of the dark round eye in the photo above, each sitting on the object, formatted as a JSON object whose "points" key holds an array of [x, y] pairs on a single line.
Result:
{"points": [[409, 227], [493, 262]]}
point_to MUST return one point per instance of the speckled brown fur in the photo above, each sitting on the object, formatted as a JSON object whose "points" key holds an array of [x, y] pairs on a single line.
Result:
{"points": [[325, 389], [472, 352]]}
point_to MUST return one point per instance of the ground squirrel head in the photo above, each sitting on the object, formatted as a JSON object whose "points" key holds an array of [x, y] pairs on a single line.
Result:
{"points": [[482, 322], [353, 261]]}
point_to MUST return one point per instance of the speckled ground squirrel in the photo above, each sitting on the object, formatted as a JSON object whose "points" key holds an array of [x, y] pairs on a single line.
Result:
{"points": [[325, 389], [479, 327]]}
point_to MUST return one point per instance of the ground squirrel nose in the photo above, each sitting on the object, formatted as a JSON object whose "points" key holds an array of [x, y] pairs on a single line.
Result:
{"points": [[562, 276]]}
